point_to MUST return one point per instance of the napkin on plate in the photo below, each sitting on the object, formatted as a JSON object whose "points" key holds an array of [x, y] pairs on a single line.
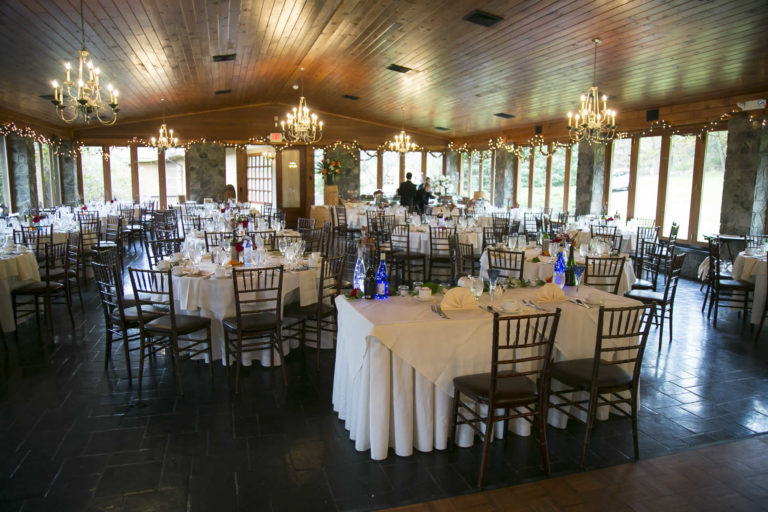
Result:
{"points": [[458, 298], [550, 293], [163, 265]]}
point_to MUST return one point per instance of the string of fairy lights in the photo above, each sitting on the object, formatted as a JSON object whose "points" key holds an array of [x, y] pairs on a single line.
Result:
{"points": [[536, 144]]}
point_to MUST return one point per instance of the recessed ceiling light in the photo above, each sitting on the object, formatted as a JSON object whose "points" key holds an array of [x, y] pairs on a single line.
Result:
{"points": [[223, 91], [398, 68], [351, 97], [442, 128], [224, 57], [483, 18], [504, 115]]}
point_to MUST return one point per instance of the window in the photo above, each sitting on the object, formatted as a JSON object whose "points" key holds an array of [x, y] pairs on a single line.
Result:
{"points": [[175, 175], [618, 192], [474, 177], [572, 182], [93, 173], [318, 179], [391, 172], [523, 176], [712, 184], [487, 174], [677, 207], [434, 165], [557, 183], [4, 192], [539, 180], [120, 172], [259, 176], [413, 165], [39, 176], [368, 172], [149, 181], [647, 181]]}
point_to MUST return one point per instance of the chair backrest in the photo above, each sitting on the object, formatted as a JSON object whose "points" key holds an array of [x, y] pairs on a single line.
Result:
{"points": [[440, 241], [326, 237], [304, 223], [673, 233], [650, 255], [673, 276], [400, 238], [555, 228], [110, 288], [489, 237], [217, 239], [267, 236], [755, 241], [158, 249], [90, 233], [614, 241], [500, 223], [152, 291], [339, 216], [715, 263], [465, 255], [647, 233], [258, 290], [645, 223], [329, 286], [602, 230], [54, 256], [112, 228], [621, 337], [87, 215], [604, 273], [531, 223], [522, 347], [312, 238], [73, 253], [109, 256], [510, 263]]}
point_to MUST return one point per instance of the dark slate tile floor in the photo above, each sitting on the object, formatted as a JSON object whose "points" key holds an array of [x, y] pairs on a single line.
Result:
{"points": [[74, 437]]}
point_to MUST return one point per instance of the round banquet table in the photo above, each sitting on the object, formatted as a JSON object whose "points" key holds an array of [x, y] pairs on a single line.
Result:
{"points": [[215, 299], [545, 268], [16, 270], [752, 268]]}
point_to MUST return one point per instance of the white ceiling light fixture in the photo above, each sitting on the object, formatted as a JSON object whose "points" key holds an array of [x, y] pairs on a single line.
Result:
{"points": [[593, 122]]}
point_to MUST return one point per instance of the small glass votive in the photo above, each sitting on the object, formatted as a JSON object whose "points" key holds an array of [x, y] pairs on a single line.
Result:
{"points": [[417, 285], [402, 290]]}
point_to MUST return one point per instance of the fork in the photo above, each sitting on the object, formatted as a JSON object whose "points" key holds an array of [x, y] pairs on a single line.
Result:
{"points": [[440, 312]]}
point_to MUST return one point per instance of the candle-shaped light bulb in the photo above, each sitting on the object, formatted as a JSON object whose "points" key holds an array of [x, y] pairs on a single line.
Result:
{"points": [[68, 67]]}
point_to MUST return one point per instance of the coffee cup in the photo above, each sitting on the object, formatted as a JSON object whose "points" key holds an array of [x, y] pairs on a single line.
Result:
{"points": [[219, 272], [425, 293]]}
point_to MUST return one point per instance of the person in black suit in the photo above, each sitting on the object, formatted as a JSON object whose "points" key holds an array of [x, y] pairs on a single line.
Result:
{"points": [[423, 196], [407, 191]]}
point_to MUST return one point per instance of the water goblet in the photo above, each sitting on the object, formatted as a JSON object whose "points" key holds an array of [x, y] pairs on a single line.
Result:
{"points": [[476, 285], [282, 245]]}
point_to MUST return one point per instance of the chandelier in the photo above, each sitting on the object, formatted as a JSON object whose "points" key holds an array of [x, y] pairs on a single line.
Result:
{"points": [[302, 126], [594, 122], [166, 140], [402, 141], [82, 98]]}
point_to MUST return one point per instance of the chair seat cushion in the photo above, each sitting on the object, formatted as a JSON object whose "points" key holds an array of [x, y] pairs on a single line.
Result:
{"points": [[252, 322], [132, 315], [185, 324], [578, 373], [642, 284], [38, 288], [402, 255], [734, 284], [57, 273], [510, 391], [645, 295], [311, 311], [105, 244]]}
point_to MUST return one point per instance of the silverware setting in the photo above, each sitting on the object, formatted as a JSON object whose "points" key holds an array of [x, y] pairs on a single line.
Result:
{"points": [[438, 310], [533, 305], [580, 303]]}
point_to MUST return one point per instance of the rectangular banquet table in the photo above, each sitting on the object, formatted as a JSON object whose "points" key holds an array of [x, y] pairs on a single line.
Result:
{"points": [[396, 360]]}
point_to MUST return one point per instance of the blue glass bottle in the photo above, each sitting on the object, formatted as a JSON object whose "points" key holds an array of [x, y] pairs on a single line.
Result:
{"points": [[382, 279], [559, 277], [358, 277]]}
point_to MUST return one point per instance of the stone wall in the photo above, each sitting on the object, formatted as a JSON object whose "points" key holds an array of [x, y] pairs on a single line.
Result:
{"points": [[760, 205], [349, 181], [452, 170], [21, 165], [68, 168], [504, 182], [207, 171], [589, 179], [741, 160]]}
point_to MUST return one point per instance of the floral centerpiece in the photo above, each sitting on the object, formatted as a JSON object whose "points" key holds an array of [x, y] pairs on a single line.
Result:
{"points": [[235, 248], [440, 184], [329, 170]]}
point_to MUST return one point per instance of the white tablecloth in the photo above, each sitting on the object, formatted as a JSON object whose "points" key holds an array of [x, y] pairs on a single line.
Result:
{"points": [[215, 299], [545, 268], [396, 360], [15, 270], [628, 240], [753, 270]]}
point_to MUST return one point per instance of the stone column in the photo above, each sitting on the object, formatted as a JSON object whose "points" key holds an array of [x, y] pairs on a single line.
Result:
{"points": [[68, 171], [590, 175], [349, 182], [21, 165], [207, 169], [452, 171], [504, 181], [743, 206]]}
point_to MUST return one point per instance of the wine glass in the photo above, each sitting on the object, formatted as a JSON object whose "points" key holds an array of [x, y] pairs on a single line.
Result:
{"points": [[577, 273], [476, 285], [282, 245]]}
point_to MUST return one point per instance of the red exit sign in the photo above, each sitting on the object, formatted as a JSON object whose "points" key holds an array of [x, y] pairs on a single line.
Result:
{"points": [[275, 137]]}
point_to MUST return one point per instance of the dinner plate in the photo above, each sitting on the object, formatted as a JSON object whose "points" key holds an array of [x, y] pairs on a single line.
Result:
{"points": [[428, 299]]}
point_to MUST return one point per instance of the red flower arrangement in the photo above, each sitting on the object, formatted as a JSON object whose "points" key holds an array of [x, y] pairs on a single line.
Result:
{"points": [[328, 169], [245, 223], [36, 219], [239, 246], [223, 210], [84, 208]]}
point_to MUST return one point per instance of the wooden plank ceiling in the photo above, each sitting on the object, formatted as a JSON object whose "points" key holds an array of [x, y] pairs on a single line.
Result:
{"points": [[533, 64]]}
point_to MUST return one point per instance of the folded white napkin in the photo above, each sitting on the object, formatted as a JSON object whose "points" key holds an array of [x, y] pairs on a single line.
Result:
{"points": [[163, 265], [550, 293], [596, 298], [458, 298]]}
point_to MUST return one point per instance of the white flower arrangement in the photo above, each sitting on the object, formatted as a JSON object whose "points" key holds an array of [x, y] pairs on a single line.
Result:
{"points": [[440, 184]]}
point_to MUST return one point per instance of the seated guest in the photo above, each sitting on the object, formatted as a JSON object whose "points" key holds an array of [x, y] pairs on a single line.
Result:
{"points": [[378, 199]]}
